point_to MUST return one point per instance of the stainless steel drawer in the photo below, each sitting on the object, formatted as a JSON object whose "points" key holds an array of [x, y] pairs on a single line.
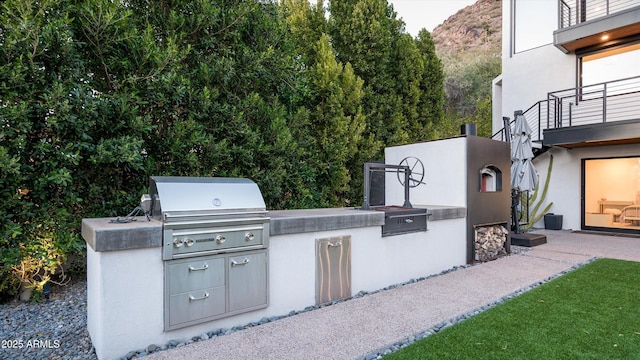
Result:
{"points": [[196, 306], [187, 275], [205, 288]]}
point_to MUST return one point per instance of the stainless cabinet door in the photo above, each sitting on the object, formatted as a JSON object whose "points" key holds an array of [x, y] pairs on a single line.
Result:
{"points": [[333, 269], [247, 280]]}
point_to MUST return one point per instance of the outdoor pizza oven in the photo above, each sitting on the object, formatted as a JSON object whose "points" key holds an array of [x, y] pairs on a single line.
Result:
{"points": [[215, 237]]}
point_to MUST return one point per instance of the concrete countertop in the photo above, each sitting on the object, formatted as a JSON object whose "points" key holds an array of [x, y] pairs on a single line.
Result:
{"points": [[444, 212], [311, 220], [102, 235]]}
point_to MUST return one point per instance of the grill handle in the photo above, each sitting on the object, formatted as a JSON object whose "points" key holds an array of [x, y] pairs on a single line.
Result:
{"points": [[244, 262], [405, 216], [193, 298], [204, 267], [168, 215], [219, 222]]}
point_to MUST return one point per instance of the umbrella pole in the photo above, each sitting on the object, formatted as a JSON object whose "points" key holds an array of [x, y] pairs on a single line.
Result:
{"points": [[514, 211]]}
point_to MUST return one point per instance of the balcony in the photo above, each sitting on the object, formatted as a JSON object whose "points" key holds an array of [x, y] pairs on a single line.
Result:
{"points": [[587, 23], [600, 114]]}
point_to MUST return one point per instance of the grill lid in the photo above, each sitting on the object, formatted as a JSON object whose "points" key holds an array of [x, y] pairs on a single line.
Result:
{"points": [[175, 194]]}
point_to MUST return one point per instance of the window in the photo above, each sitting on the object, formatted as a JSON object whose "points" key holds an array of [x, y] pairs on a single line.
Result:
{"points": [[609, 65], [533, 23]]}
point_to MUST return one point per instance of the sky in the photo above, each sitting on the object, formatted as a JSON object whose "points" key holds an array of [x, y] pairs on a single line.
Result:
{"points": [[428, 14]]}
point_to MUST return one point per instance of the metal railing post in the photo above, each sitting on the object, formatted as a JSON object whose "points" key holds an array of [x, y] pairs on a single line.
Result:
{"points": [[539, 121], [570, 113], [367, 187], [604, 103], [506, 130], [559, 114], [578, 7], [548, 109]]}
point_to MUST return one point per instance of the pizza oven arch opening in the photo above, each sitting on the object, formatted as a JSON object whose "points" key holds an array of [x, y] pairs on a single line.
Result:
{"points": [[490, 179]]}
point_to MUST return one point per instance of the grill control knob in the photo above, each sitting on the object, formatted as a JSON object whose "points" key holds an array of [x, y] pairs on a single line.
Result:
{"points": [[178, 243], [188, 242], [248, 236], [220, 239]]}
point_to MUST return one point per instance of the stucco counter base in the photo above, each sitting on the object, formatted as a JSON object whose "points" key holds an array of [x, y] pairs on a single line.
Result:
{"points": [[125, 270]]}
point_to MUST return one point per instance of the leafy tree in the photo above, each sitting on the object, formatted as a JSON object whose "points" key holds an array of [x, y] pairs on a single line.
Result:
{"points": [[236, 87], [364, 33], [431, 106], [334, 100], [470, 80], [337, 120], [46, 107], [402, 76]]}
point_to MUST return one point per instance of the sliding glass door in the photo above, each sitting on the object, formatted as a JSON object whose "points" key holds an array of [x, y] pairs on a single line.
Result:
{"points": [[611, 194]]}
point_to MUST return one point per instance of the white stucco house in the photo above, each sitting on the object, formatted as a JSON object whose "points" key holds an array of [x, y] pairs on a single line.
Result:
{"points": [[573, 67]]}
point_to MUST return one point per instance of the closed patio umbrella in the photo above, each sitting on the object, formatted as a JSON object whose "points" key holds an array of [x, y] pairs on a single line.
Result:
{"points": [[523, 173]]}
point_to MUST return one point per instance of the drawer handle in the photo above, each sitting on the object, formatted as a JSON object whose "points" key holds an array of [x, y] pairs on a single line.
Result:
{"points": [[338, 244], [407, 216], [193, 298], [220, 239], [408, 221], [235, 263], [204, 267], [249, 236]]}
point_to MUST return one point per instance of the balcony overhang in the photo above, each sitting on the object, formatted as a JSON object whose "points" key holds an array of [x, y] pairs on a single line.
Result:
{"points": [[602, 134], [616, 26]]}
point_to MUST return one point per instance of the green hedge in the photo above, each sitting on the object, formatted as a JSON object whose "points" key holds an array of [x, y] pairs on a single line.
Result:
{"points": [[97, 95]]}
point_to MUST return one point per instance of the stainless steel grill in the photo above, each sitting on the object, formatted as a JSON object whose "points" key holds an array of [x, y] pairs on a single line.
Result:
{"points": [[202, 216], [215, 242]]}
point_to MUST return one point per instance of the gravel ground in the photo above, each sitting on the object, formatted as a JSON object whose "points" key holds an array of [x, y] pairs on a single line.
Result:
{"points": [[57, 329]]}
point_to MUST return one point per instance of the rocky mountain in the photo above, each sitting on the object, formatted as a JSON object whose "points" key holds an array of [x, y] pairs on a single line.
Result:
{"points": [[476, 28]]}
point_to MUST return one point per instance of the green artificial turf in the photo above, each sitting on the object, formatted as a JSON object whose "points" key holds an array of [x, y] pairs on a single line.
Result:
{"points": [[590, 313]]}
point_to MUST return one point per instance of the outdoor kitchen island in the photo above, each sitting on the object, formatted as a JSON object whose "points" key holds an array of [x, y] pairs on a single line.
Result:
{"points": [[126, 271]]}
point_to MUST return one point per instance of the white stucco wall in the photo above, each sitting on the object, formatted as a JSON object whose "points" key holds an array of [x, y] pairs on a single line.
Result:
{"points": [[529, 75], [566, 178], [496, 104], [445, 163], [378, 262]]}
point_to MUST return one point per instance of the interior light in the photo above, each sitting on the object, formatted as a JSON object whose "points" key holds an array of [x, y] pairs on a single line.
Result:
{"points": [[604, 37]]}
